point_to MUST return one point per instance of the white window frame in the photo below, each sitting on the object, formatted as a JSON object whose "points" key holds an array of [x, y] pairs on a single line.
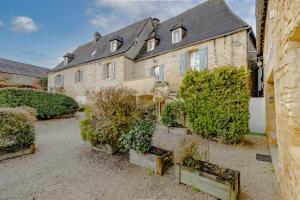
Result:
{"points": [[108, 70], [59, 80], [151, 45], [156, 73], [196, 64], [66, 59], [79, 77], [113, 45], [174, 39]]}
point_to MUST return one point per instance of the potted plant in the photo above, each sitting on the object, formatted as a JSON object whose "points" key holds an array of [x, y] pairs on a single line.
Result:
{"points": [[192, 169], [139, 144]]}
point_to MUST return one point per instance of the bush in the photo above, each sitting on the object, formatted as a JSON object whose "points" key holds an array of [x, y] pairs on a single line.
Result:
{"points": [[217, 103], [16, 129], [113, 111], [139, 137], [47, 105], [43, 82], [173, 114]]}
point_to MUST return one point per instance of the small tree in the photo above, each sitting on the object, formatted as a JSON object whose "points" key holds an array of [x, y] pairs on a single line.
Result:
{"points": [[173, 114]]}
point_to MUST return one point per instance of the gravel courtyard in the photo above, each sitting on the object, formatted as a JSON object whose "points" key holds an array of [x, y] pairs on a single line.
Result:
{"points": [[65, 168]]}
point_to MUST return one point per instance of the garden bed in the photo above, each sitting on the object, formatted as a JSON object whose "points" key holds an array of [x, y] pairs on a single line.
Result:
{"points": [[217, 181], [8, 155], [105, 148], [157, 159]]}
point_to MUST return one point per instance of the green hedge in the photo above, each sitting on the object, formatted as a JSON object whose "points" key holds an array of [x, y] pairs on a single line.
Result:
{"points": [[48, 105], [217, 103], [16, 129]]}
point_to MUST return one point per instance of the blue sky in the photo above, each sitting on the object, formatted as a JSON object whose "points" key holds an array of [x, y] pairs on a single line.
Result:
{"points": [[40, 32]]}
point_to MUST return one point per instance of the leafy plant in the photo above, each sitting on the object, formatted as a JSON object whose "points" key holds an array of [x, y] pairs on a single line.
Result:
{"points": [[47, 105], [113, 111], [43, 82], [16, 129], [139, 137], [217, 103], [173, 114], [195, 189]]}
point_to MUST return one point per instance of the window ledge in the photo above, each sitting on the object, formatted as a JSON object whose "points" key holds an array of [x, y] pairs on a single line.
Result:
{"points": [[161, 84]]}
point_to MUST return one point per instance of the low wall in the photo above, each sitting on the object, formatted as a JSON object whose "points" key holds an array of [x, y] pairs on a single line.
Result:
{"points": [[143, 86]]}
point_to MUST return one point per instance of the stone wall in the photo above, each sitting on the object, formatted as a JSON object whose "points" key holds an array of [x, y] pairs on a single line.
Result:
{"points": [[19, 79], [282, 84]]}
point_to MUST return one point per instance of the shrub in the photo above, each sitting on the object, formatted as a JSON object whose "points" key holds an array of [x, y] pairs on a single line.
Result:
{"points": [[113, 111], [173, 114], [217, 103], [47, 105], [139, 137], [43, 82], [16, 129]]}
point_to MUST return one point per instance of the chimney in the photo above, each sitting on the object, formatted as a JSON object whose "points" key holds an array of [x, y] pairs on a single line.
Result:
{"points": [[97, 36], [155, 22]]}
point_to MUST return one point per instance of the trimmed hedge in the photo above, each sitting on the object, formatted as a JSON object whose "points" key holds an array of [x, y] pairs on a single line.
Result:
{"points": [[217, 103], [16, 129], [48, 105]]}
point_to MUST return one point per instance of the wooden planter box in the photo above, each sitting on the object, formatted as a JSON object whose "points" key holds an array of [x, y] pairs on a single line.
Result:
{"points": [[105, 148], [209, 183], [158, 162], [29, 150]]}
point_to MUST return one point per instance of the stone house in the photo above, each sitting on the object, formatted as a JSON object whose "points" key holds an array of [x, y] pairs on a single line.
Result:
{"points": [[21, 73], [152, 56], [278, 44]]}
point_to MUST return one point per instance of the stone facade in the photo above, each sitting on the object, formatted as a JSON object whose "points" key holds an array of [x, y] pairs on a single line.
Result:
{"points": [[279, 44], [231, 49]]}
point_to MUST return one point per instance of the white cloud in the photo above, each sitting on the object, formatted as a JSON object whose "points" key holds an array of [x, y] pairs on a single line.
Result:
{"points": [[23, 24], [1, 23]]}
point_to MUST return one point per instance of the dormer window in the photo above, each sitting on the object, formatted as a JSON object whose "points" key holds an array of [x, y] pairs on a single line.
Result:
{"points": [[176, 35], [113, 45], [178, 32], [68, 58], [150, 44]]}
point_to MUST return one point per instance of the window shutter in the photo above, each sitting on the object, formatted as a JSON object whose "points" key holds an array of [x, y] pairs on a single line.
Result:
{"points": [[149, 71], [103, 76], [161, 73], [113, 70], [203, 58], [75, 77], [182, 63], [81, 75]]}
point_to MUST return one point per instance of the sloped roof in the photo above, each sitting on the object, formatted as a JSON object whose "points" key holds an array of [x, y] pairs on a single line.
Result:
{"points": [[83, 53], [207, 20], [13, 67]]}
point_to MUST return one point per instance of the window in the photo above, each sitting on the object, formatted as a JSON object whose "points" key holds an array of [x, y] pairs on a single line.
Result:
{"points": [[150, 45], [176, 35], [59, 80], [79, 76], [93, 53], [108, 70], [113, 45], [195, 60], [159, 73]]}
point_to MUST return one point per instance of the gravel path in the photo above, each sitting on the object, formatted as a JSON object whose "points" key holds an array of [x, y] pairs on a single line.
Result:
{"points": [[65, 168]]}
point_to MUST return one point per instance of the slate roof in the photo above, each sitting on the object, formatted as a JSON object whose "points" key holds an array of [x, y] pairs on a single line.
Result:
{"points": [[83, 53], [13, 67], [207, 20]]}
